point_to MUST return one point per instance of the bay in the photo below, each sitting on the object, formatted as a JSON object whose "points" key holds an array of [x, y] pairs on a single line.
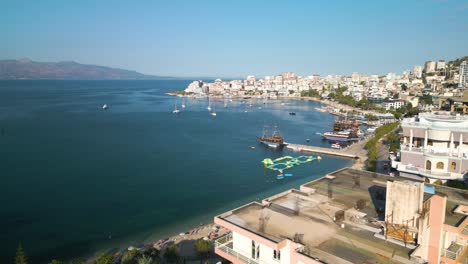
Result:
{"points": [[76, 180]]}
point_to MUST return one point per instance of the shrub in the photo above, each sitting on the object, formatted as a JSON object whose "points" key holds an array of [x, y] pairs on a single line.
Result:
{"points": [[172, 253], [360, 204], [104, 259], [202, 248]]}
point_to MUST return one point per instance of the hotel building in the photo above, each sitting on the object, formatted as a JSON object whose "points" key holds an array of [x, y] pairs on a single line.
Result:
{"points": [[350, 216], [435, 147]]}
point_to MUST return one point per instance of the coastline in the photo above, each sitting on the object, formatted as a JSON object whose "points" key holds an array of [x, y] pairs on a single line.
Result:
{"points": [[305, 98], [189, 235]]}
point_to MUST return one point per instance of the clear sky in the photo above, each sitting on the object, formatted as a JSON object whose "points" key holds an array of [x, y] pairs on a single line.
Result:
{"points": [[234, 38]]}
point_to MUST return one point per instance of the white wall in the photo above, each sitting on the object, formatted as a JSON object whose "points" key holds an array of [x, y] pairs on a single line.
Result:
{"points": [[242, 244]]}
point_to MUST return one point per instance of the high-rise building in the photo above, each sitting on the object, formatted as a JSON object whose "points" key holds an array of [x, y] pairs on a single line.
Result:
{"points": [[355, 77], [430, 66], [417, 71], [440, 65], [463, 79]]}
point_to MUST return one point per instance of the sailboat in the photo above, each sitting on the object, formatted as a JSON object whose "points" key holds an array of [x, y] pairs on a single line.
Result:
{"points": [[183, 103], [209, 104], [175, 111], [213, 113]]}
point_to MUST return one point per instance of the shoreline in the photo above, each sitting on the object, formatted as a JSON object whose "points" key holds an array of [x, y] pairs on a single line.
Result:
{"points": [[209, 230], [304, 98]]}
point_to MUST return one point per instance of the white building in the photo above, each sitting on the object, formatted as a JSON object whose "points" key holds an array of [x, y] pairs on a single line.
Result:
{"points": [[440, 65], [393, 104], [355, 77], [435, 146], [463, 78], [417, 71]]}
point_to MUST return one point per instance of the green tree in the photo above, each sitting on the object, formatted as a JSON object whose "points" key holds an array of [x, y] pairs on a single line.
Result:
{"points": [[145, 260], [152, 253], [131, 256], [404, 87], [20, 256], [172, 253], [104, 259], [202, 248], [77, 261], [55, 261]]}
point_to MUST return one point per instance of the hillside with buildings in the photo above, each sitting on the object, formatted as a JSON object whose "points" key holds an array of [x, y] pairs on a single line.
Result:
{"points": [[422, 86]]}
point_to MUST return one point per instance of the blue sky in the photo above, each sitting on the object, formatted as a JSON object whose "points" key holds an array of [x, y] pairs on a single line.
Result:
{"points": [[236, 38]]}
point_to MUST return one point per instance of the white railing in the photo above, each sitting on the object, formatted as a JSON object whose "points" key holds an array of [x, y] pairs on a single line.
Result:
{"points": [[224, 244], [452, 255], [429, 173], [435, 152]]}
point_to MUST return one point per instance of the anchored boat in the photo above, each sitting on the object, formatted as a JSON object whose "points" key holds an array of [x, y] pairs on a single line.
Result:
{"points": [[273, 140]]}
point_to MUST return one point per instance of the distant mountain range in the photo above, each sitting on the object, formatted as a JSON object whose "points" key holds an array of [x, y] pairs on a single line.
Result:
{"points": [[66, 70]]}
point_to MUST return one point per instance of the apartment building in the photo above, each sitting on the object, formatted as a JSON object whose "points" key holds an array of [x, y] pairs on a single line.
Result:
{"points": [[349, 216], [435, 147]]}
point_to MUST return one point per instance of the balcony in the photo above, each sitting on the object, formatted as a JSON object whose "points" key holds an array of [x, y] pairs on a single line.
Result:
{"points": [[435, 152], [428, 173], [224, 245], [453, 251]]}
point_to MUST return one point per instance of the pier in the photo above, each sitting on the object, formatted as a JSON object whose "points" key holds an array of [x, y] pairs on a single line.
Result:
{"points": [[327, 151], [353, 151]]}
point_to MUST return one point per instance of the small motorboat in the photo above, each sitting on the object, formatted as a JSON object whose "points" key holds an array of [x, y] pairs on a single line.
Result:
{"points": [[292, 113], [336, 146], [104, 107], [307, 139]]}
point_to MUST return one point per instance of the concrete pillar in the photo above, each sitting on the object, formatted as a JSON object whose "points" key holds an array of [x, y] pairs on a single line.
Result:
{"points": [[452, 145], [411, 139], [404, 141], [425, 139], [460, 144]]}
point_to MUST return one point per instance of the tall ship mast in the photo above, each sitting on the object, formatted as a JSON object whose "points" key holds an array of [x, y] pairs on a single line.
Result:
{"points": [[273, 140]]}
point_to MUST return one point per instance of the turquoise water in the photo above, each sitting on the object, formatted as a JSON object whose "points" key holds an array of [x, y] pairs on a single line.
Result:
{"points": [[76, 179]]}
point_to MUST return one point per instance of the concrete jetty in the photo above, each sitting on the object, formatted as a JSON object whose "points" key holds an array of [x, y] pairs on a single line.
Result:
{"points": [[327, 151], [354, 151]]}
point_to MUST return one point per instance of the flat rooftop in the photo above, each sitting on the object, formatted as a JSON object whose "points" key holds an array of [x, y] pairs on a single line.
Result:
{"points": [[308, 218]]}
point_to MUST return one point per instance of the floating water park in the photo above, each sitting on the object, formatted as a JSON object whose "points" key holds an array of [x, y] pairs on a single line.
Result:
{"points": [[287, 162]]}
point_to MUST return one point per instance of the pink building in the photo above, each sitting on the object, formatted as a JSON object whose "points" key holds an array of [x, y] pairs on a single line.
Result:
{"points": [[350, 216]]}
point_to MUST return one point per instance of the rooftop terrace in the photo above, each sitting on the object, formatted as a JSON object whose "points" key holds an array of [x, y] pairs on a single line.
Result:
{"points": [[309, 217]]}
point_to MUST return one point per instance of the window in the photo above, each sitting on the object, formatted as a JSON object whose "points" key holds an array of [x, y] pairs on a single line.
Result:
{"points": [[428, 165], [453, 165], [253, 249], [429, 143], [277, 254], [440, 165]]}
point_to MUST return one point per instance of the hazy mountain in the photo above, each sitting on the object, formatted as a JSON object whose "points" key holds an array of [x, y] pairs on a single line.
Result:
{"points": [[66, 70]]}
